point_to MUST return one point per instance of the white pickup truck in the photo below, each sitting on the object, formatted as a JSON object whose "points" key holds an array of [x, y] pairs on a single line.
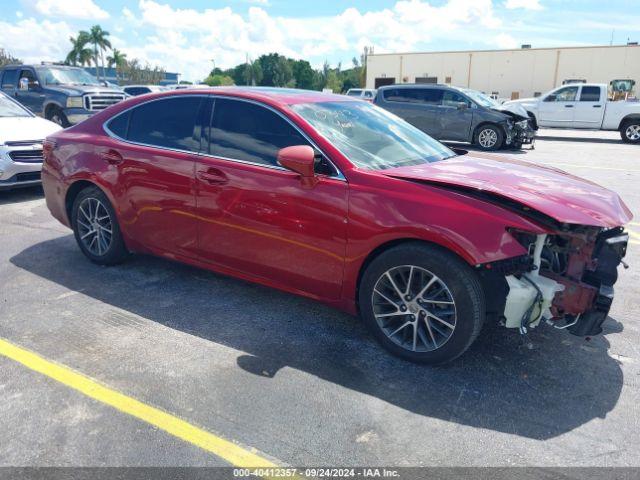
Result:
{"points": [[584, 105]]}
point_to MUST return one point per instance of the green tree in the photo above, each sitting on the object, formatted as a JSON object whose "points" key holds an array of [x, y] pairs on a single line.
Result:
{"points": [[144, 74], [100, 41], [119, 59], [218, 80], [79, 54], [276, 70], [303, 74], [333, 81]]}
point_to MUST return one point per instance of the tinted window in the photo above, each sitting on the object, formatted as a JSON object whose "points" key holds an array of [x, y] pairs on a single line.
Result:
{"points": [[354, 93], [414, 95], [9, 78], [246, 131], [120, 124], [167, 123], [590, 94], [368, 94]]}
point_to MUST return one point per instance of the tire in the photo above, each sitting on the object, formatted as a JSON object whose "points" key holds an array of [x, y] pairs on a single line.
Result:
{"points": [[56, 115], [489, 137], [90, 208], [385, 312], [630, 131]]}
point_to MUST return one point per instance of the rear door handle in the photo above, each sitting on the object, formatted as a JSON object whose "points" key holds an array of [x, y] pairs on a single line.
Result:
{"points": [[212, 176], [112, 157], [568, 106]]}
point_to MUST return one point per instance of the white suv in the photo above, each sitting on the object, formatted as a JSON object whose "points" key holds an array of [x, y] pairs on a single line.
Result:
{"points": [[21, 137]]}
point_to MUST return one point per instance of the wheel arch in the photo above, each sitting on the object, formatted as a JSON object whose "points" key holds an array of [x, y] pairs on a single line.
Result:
{"points": [[625, 119], [380, 249], [533, 118], [49, 107], [74, 190]]}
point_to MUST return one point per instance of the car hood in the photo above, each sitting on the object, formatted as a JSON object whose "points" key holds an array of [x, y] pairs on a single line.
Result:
{"points": [[515, 110], [73, 90], [556, 194], [14, 129]]}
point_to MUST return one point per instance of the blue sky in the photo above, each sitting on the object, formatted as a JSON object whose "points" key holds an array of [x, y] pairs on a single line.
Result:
{"points": [[188, 36]]}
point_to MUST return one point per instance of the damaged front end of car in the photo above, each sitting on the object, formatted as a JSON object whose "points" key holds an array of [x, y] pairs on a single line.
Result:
{"points": [[566, 279]]}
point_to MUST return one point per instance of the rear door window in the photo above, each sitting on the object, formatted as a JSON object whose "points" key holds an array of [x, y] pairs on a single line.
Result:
{"points": [[590, 94], [431, 96], [9, 79], [249, 132], [167, 123]]}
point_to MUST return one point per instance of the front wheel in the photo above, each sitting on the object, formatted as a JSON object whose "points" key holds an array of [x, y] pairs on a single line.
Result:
{"points": [[56, 115], [630, 131], [489, 137], [422, 303], [96, 228]]}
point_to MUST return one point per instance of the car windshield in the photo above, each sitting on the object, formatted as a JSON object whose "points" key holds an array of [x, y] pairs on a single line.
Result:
{"points": [[66, 76], [370, 137], [480, 98], [9, 108]]}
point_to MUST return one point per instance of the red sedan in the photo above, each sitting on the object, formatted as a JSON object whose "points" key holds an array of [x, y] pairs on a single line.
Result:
{"points": [[338, 200]]}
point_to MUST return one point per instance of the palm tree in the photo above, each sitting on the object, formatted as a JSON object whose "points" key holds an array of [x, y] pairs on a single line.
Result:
{"points": [[79, 53], [98, 37], [117, 58]]}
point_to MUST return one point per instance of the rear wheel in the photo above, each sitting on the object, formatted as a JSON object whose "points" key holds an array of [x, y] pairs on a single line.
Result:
{"points": [[489, 137], [630, 131], [422, 303], [96, 228]]}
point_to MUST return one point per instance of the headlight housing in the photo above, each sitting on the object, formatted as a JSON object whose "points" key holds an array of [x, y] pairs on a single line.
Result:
{"points": [[75, 102], [523, 123]]}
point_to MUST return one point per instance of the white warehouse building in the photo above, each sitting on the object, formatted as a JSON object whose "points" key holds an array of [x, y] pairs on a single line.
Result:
{"points": [[511, 74]]}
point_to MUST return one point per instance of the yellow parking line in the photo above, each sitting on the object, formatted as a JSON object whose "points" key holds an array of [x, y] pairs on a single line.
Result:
{"points": [[232, 453]]}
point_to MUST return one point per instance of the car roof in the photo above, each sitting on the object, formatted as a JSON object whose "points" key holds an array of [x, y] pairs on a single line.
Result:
{"points": [[415, 85], [273, 95]]}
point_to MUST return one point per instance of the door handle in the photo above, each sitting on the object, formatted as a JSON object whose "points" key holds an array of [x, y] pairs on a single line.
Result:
{"points": [[597, 106], [568, 106], [213, 176], [112, 157]]}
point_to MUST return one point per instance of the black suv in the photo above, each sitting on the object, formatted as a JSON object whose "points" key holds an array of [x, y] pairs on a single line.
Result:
{"points": [[458, 114], [65, 95]]}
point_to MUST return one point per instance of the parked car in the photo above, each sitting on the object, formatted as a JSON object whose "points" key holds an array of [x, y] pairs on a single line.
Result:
{"points": [[457, 114], [366, 94], [584, 106], [338, 200], [135, 90], [21, 137], [65, 95]]}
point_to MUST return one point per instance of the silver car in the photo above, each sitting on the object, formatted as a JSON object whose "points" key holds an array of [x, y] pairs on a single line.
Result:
{"points": [[21, 137]]}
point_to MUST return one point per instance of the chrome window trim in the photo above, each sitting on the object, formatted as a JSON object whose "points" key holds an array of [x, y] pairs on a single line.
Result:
{"points": [[338, 176]]}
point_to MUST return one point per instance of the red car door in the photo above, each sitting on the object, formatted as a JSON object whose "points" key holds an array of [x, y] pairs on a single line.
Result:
{"points": [[257, 217], [154, 151]]}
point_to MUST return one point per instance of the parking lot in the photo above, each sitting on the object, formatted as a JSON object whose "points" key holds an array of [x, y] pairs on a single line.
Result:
{"points": [[289, 380]]}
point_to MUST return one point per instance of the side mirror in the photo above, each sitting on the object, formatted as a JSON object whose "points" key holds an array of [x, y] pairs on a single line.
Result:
{"points": [[35, 85], [299, 158]]}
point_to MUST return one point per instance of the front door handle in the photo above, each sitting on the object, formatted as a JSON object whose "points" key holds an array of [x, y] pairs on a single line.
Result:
{"points": [[112, 157], [568, 106], [597, 106], [213, 176]]}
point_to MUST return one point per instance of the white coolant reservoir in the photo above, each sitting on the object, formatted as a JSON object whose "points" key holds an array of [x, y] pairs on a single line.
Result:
{"points": [[522, 294]]}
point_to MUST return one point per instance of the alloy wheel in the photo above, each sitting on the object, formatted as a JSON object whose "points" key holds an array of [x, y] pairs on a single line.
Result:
{"points": [[414, 308], [633, 132], [487, 138], [95, 228]]}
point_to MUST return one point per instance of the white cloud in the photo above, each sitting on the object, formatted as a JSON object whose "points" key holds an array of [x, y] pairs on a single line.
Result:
{"points": [[526, 4], [185, 39], [504, 40], [33, 41], [82, 9]]}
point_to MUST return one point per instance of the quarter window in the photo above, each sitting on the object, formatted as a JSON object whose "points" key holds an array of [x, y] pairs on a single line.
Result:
{"points": [[168, 123], [248, 132]]}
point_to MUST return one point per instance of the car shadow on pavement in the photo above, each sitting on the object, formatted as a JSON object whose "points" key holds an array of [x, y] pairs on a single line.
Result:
{"points": [[472, 148], [20, 195], [500, 384], [554, 138]]}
